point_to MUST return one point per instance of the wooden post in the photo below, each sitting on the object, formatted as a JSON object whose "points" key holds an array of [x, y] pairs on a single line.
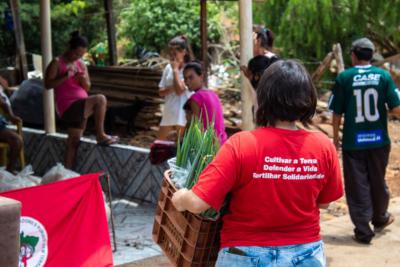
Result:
{"points": [[19, 38], [322, 67], [337, 51], [112, 44], [246, 53], [393, 58], [47, 55], [203, 37]]}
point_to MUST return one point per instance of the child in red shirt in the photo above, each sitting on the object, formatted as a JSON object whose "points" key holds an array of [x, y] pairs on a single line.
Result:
{"points": [[278, 176]]}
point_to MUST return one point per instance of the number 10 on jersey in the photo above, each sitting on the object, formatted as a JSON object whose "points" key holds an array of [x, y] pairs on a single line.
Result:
{"points": [[367, 105]]}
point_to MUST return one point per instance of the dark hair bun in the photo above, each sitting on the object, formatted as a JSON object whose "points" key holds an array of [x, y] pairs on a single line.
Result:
{"points": [[77, 41]]}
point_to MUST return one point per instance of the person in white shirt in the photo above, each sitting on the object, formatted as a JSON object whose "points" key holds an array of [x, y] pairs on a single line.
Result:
{"points": [[173, 89]]}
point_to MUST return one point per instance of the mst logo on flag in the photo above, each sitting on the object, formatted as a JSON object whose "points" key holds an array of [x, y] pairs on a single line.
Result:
{"points": [[33, 240], [64, 224]]}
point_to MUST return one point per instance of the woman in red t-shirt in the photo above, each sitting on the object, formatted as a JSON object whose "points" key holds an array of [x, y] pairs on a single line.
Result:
{"points": [[278, 176]]}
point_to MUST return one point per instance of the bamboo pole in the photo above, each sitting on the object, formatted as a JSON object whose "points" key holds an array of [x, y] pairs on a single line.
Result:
{"points": [[246, 53], [47, 55]]}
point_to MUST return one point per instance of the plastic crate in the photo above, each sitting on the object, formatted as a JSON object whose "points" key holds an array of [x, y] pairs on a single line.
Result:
{"points": [[185, 238]]}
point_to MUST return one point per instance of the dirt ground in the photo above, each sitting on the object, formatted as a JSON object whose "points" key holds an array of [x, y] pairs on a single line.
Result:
{"points": [[340, 249], [393, 170]]}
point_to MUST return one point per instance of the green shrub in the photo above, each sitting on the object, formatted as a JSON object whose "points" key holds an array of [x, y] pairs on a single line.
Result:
{"points": [[151, 24]]}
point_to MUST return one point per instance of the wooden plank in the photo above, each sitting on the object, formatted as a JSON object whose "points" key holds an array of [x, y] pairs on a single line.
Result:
{"points": [[127, 90], [123, 85]]}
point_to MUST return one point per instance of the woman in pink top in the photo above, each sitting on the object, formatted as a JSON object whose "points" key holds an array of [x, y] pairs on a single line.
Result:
{"points": [[69, 77], [203, 102]]}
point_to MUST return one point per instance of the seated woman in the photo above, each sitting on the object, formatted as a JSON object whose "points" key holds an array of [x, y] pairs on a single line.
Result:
{"points": [[13, 140], [278, 177], [69, 77], [203, 102]]}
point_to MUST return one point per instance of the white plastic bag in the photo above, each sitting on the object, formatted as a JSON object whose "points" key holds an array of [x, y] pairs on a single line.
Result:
{"points": [[9, 181], [27, 174], [57, 173], [178, 175]]}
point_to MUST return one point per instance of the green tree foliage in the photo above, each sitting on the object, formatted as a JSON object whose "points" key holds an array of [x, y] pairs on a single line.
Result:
{"points": [[87, 16], [151, 24], [382, 23], [307, 29], [7, 47]]}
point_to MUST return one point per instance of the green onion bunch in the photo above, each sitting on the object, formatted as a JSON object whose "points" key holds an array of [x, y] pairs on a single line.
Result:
{"points": [[198, 149]]}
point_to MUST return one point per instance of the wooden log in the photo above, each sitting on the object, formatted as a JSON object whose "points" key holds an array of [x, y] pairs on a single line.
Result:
{"points": [[390, 59], [112, 44], [337, 52], [203, 37], [246, 53], [19, 38], [47, 55], [316, 76]]}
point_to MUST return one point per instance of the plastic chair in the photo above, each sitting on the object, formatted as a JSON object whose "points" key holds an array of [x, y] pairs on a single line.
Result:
{"points": [[4, 149]]}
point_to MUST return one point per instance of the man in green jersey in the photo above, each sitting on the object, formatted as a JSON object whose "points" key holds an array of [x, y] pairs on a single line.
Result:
{"points": [[363, 93]]}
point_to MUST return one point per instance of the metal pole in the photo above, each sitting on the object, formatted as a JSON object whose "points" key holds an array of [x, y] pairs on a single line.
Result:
{"points": [[246, 53], [48, 95], [203, 37]]}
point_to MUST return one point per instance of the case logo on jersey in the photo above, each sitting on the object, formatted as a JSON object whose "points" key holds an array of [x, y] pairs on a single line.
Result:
{"points": [[366, 79]]}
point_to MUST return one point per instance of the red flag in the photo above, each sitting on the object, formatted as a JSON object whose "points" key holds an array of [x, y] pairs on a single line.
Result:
{"points": [[64, 224]]}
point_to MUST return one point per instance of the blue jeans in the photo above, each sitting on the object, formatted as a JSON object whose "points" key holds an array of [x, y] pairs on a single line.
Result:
{"points": [[305, 255]]}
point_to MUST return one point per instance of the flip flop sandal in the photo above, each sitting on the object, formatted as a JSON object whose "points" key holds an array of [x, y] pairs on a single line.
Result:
{"points": [[111, 140]]}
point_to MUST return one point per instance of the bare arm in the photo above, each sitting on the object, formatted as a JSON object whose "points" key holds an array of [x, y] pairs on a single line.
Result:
{"points": [[247, 73], [165, 91], [195, 109], [323, 206], [396, 111], [336, 121], [184, 199], [193, 112], [52, 78], [178, 85], [8, 111]]}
